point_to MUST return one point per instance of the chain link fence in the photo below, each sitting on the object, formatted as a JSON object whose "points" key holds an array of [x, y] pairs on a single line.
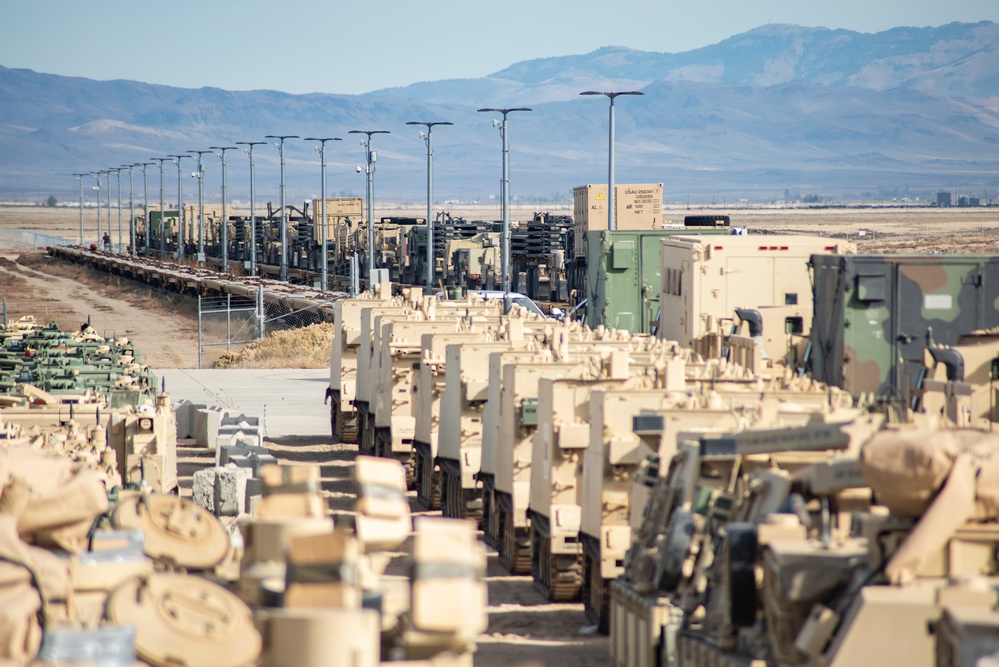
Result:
{"points": [[225, 324], [19, 239]]}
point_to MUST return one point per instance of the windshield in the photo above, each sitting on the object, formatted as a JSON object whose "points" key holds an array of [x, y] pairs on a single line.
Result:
{"points": [[524, 302]]}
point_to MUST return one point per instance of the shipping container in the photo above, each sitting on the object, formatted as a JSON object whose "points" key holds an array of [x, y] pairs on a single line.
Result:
{"points": [[639, 208], [338, 210], [622, 276]]}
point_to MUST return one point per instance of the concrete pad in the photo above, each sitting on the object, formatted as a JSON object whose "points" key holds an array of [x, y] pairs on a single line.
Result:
{"points": [[288, 401]]}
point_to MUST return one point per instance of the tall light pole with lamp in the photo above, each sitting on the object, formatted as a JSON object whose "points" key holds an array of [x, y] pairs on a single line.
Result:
{"points": [[284, 209], [108, 209], [98, 188], [369, 170], [80, 176], [505, 195], [611, 213], [200, 175], [253, 212], [131, 209], [225, 211], [145, 204], [161, 160], [428, 140], [117, 173], [178, 159], [324, 281]]}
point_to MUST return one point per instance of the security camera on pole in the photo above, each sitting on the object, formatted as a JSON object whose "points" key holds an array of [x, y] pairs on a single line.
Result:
{"points": [[369, 169]]}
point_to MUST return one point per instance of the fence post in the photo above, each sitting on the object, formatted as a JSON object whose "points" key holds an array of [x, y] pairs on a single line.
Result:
{"points": [[199, 332], [228, 322], [260, 310]]}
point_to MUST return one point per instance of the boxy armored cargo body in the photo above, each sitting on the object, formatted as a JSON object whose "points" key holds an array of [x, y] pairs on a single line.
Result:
{"points": [[876, 314]]}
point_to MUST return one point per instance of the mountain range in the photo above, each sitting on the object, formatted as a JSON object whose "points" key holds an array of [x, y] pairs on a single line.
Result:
{"points": [[832, 113]]}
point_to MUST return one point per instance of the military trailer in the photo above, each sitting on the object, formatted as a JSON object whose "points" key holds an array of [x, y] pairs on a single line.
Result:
{"points": [[875, 315]]}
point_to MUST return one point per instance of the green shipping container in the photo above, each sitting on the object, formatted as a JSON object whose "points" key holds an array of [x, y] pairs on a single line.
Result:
{"points": [[622, 276]]}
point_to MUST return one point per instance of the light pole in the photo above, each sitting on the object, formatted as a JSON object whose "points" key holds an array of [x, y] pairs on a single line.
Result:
{"points": [[324, 280], [98, 188], [284, 210], [253, 215], [80, 176], [145, 204], [428, 140], [180, 203], [611, 213], [108, 210], [117, 173], [369, 169], [200, 175], [131, 209], [161, 160], [505, 194], [225, 214]]}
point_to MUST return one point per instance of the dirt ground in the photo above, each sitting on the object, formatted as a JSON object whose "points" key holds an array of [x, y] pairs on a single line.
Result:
{"points": [[523, 627]]}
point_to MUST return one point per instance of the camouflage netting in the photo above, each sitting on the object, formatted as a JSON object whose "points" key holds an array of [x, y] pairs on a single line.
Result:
{"points": [[305, 347]]}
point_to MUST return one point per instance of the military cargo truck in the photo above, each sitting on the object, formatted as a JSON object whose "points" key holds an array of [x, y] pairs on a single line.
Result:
{"points": [[877, 312], [705, 280]]}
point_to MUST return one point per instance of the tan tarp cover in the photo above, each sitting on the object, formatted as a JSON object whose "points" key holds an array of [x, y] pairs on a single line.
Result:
{"points": [[944, 477], [54, 505], [20, 632]]}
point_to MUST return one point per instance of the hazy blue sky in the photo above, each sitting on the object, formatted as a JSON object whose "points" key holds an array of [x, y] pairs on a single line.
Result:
{"points": [[332, 46]]}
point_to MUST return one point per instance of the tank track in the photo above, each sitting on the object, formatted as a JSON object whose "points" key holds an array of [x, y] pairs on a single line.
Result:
{"points": [[459, 503], [345, 426], [558, 576], [428, 480], [366, 428], [596, 594], [515, 545], [491, 530]]}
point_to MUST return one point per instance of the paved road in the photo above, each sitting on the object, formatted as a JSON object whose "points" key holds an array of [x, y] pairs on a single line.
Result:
{"points": [[290, 401]]}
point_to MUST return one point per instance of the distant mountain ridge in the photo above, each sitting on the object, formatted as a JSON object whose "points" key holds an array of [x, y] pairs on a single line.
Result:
{"points": [[958, 60], [779, 106]]}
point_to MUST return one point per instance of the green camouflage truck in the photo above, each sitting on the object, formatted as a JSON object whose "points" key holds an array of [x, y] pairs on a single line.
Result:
{"points": [[874, 313]]}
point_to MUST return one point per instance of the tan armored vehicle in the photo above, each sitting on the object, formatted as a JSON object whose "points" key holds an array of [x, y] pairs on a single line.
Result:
{"points": [[429, 413], [706, 279], [721, 493], [463, 406], [342, 389]]}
